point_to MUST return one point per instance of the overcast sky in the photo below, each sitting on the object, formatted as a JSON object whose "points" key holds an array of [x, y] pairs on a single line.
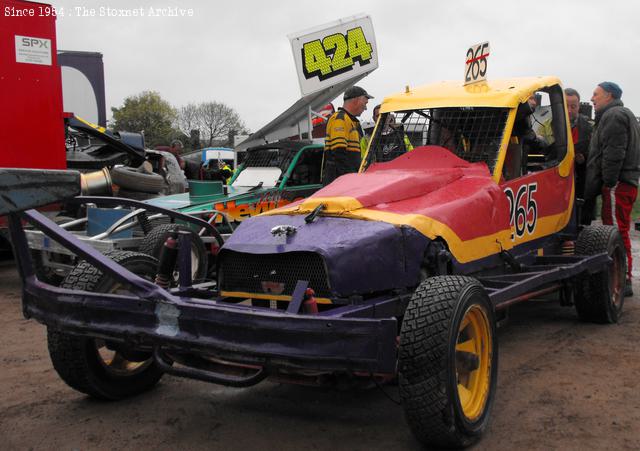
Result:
{"points": [[237, 52]]}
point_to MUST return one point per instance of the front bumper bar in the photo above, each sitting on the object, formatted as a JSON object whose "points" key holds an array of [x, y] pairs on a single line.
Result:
{"points": [[246, 335]]}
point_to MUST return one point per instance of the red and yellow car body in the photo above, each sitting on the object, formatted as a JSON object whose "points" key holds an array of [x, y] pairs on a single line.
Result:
{"points": [[466, 199], [468, 205]]}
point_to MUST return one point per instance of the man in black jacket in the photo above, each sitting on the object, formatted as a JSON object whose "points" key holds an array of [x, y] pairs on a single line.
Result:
{"points": [[613, 167], [581, 130]]}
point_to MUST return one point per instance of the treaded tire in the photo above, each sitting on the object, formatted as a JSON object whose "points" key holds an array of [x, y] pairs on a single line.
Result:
{"points": [[153, 242], [429, 368], [130, 179], [599, 297], [77, 359], [48, 274]]}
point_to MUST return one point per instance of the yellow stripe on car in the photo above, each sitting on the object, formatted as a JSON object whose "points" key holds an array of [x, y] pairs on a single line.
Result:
{"points": [[270, 297], [463, 250]]}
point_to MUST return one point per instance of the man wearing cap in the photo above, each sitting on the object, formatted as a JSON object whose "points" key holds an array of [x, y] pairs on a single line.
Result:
{"points": [[613, 165], [344, 133]]}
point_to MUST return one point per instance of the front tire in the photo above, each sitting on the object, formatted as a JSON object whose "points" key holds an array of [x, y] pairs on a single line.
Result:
{"points": [[599, 297], [100, 369], [448, 361]]}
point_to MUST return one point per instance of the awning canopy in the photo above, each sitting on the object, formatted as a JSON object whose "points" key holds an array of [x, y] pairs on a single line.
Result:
{"points": [[294, 119]]}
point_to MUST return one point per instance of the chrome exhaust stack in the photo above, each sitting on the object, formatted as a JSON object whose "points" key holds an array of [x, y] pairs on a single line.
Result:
{"points": [[96, 183]]}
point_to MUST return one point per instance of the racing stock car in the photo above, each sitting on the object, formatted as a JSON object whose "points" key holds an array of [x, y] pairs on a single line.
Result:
{"points": [[398, 272]]}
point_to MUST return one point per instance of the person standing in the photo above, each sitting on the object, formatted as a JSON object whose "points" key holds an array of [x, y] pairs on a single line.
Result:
{"points": [[581, 130], [342, 145], [394, 140], [613, 165]]}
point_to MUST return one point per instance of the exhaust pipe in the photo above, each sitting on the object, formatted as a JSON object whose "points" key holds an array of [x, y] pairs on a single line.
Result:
{"points": [[96, 183]]}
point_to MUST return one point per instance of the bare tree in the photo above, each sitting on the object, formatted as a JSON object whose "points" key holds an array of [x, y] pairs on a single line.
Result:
{"points": [[188, 118], [214, 120], [217, 120]]}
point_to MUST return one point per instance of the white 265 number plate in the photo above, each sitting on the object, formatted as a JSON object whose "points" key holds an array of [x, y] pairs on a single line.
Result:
{"points": [[475, 69]]}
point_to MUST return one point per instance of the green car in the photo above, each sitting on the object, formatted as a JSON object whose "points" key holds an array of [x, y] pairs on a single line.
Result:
{"points": [[271, 175]]}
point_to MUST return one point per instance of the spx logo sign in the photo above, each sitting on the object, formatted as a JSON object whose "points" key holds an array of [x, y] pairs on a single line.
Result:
{"points": [[35, 42], [33, 50]]}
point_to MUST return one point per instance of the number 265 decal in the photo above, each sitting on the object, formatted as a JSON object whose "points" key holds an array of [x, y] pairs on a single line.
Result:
{"points": [[476, 63], [523, 210], [335, 54]]}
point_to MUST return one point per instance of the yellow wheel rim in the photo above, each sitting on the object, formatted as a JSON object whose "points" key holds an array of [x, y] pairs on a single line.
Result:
{"points": [[116, 364], [474, 347], [112, 361]]}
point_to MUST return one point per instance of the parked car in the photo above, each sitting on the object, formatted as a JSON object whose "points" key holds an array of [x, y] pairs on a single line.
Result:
{"points": [[395, 273], [271, 176]]}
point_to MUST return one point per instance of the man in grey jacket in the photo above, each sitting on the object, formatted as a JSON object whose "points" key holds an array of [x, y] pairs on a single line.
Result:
{"points": [[613, 167]]}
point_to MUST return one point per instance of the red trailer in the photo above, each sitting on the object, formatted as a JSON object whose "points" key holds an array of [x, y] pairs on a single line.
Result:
{"points": [[31, 119], [31, 115]]}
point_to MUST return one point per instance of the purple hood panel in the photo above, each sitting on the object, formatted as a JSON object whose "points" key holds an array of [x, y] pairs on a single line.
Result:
{"points": [[360, 256]]}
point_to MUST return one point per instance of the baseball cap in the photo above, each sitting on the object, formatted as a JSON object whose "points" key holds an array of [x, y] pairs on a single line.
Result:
{"points": [[356, 91]]}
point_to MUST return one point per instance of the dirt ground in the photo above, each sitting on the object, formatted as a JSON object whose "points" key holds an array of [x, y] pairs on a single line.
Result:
{"points": [[562, 385]]}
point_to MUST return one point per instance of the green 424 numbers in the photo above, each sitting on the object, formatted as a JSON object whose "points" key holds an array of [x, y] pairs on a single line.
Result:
{"points": [[335, 54]]}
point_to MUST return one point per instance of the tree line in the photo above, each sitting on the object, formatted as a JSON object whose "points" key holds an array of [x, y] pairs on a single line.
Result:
{"points": [[197, 125]]}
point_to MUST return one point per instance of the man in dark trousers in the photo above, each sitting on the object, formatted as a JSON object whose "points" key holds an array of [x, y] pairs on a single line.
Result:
{"points": [[613, 167], [342, 144], [581, 129]]}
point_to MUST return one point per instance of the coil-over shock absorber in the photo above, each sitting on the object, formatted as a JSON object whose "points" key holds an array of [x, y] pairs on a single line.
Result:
{"points": [[167, 261]]}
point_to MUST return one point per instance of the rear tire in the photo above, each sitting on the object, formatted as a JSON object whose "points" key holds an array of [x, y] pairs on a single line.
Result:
{"points": [[448, 361], [46, 273], [133, 180], [93, 366], [599, 297], [153, 242]]}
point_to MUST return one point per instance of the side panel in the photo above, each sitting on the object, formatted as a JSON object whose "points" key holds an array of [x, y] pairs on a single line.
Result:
{"points": [[540, 205], [238, 210]]}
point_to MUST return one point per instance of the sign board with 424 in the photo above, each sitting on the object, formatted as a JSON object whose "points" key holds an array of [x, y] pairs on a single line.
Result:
{"points": [[334, 53]]}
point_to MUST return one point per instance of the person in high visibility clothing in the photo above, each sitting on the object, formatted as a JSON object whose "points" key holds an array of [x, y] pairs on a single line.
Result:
{"points": [[342, 146], [225, 171]]}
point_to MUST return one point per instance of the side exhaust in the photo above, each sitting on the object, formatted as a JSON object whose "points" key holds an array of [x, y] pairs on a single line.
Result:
{"points": [[96, 183]]}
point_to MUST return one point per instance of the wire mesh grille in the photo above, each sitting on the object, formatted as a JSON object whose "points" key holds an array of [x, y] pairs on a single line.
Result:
{"points": [[472, 133], [273, 273], [268, 158]]}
